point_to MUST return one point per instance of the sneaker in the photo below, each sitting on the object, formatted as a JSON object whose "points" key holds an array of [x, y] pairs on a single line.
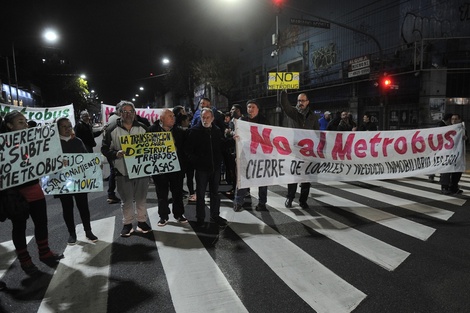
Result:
{"points": [[72, 240], [219, 221], [162, 222], [304, 205], [143, 227], [288, 203], [112, 200], [182, 219], [261, 207], [51, 258], [127, 230], [90, 236]]}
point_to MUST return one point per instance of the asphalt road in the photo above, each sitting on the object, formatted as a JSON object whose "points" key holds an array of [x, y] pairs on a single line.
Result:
{"points": [[381, 246]]}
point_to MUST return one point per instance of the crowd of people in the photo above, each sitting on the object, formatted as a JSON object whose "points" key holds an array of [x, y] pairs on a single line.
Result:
{"points": [[206, 149]]}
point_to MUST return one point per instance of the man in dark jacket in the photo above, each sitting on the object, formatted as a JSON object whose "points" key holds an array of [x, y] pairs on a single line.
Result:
{"points": [[302, 117], [253, 116], [204, 150], [174, 180], [84, 130]]}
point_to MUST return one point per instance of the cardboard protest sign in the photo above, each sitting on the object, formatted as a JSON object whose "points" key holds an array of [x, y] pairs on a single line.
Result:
{"points": [[41, 115], [149, 154], [82, 174], [269, 155], [29, 154]]}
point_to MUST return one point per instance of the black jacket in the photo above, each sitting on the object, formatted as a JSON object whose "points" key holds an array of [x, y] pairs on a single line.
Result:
{"points": [[204, 147]]}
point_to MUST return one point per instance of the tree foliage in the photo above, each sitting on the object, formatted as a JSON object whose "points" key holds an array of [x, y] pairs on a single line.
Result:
{"points": [[218, 71]]}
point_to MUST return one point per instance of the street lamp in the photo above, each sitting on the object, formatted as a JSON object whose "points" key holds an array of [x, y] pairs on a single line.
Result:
{"points": [[50, 36]]}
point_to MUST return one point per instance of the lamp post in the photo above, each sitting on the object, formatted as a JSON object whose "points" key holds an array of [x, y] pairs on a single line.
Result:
{"points": [[50, 36]]}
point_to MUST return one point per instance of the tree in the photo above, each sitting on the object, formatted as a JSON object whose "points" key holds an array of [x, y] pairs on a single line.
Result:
{"points": [[219, 72]]}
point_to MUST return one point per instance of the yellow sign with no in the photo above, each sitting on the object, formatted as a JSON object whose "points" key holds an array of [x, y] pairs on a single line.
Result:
{"points": [[283, 80]]}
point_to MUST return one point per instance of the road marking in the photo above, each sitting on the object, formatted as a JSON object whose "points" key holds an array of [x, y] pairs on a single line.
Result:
{"points": [[322, 289], [195, 281], [81, 280], [9, 255], [386, 219], [379, 252]]}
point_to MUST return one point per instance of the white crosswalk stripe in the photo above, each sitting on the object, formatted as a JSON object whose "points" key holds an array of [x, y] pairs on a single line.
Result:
{"points": [[195, 280], [82, 274]]}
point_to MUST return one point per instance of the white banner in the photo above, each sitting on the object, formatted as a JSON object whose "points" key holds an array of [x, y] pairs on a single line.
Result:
{"points": [[270, 155], [149, 154], [82, 174], [29, 154], [151, 114], [41, 115]]}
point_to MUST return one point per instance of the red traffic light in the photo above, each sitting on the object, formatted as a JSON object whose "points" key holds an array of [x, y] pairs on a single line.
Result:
{"points": [[278, 3], [387, 82]]}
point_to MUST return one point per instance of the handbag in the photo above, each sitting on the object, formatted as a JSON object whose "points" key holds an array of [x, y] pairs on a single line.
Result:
{"points": [[13, 205]]}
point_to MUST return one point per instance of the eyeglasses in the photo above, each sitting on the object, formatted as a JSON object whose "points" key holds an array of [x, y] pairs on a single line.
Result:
{"points": [[127, 112], [302, 100]]}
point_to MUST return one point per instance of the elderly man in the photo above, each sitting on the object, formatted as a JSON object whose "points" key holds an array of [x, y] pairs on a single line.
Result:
{"points": [[132, 191], [302, 117], [84, 131], [204, 150], [174, 180]]}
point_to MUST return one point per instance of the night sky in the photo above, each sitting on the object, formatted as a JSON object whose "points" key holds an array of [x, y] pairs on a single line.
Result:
{"points": [[116, 42]]}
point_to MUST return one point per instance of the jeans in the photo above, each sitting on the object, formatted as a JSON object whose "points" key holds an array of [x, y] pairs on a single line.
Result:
{"points": [[241, 193]]}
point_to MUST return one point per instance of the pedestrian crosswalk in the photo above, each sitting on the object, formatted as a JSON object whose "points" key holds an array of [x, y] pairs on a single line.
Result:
{"points": [[198, 281]]}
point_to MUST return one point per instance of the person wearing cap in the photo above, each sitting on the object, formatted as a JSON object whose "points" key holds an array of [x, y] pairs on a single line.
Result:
{"points": [[253, 116], [302, 117], [132, 191], [324, 120]]}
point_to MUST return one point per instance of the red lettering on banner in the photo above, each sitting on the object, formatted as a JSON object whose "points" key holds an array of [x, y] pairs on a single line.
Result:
{"points": [[449, 136], [282, 145], [339, 151], [257, 139], [307, 147], [360, 147]]}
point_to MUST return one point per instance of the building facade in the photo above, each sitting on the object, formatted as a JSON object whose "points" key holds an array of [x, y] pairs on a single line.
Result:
{"points": [[345, 49]]}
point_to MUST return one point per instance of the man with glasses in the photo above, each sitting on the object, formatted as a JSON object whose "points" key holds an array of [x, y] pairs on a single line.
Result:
{"points": [[303, 117], [130, 190]]}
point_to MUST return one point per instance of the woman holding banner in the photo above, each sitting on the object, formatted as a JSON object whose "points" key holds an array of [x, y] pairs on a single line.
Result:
{"points": [[36, 206], [72, 144]]}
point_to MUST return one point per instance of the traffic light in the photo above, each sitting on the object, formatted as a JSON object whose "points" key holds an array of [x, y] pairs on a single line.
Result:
{"points": [[386, 82], [278, 3]]}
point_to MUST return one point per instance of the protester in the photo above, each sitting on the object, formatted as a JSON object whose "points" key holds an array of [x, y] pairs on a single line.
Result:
{"points": [[229, 152], [112, 198], [72, 144], [368, 124], [173, 180], [302, 117], [182, 121], [218, 117], [445, 121], [84, 131], [36, 208], [450, 181], [346, 123], [133, 192], [204, 149], [324, 120], [253, 116]]}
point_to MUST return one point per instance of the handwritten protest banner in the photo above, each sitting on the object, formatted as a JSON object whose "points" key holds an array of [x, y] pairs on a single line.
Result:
{"points": [[269, 155], [149, 154], [29, 154], [151, 114], [41, 115], [82, 174]]}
